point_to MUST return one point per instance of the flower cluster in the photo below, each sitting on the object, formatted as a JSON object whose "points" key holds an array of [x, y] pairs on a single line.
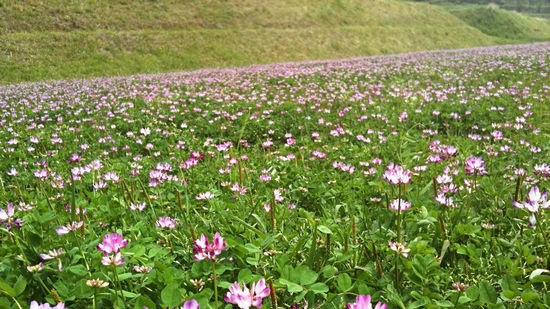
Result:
{"points": [[536, 201], [112, 243], [203, 249], [396, 175], [245, 298], [364, 302], [36, 305]]}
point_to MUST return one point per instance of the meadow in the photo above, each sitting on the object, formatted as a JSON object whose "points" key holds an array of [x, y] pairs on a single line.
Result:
{"points": [[418, 179]]}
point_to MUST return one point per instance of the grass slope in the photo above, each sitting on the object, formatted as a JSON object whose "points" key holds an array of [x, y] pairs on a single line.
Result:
{"points": [[503, 24], [66, 39]]}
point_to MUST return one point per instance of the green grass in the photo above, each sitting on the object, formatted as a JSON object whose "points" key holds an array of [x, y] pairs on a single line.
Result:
{"points": [[72, 39], [503, 24]]}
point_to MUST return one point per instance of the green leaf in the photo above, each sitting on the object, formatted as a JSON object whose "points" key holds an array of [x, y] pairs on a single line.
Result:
{"points": [[171, 295], [472, 292], [79, 270], [540, 275], [304, 275], [144, 301], [487, 293], [528, 296], [245, 275], [508, 283], [291, 286], [324, 229], [318, 288], [344, 282], [20, 286]]}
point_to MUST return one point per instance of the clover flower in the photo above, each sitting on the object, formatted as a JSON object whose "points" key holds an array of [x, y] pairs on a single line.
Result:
{"points": [[191, 304], [35, 305], [399, 248], [396, 175], [399, 205], [203, 249], [364, 302], [245, 298], [536, 201], [112, 243], [475, 166]]}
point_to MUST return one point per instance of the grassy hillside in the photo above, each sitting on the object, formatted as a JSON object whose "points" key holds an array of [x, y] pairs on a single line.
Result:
{"points": [[502, 23], [60, 39]]}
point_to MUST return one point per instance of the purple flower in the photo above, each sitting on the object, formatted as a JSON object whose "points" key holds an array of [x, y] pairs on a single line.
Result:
{"points": [[475, 166], [191, 304], [166, 222], [113, 260], [112, 243], [399, 248], [203, 249], [399, 205], [364, 302], [35, 305], [536, 201], [396, 175], [245, 298]]}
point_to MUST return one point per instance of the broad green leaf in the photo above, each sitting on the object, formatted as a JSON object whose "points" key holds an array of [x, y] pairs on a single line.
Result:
{"points": [[304, 275], [344, 282], [324, 229], [171, 295], [528, 296], [318, 288], [144, 301], [20, 286], [291, 286], [245, 275], [79, 270], [540, 275], [487, 293]]}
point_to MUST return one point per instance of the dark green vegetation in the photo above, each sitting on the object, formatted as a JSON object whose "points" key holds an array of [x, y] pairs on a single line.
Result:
{"points": [[66, 39]]}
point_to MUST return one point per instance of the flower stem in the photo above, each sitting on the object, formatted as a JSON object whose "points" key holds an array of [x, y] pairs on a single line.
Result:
{"points": [[215, 280]]}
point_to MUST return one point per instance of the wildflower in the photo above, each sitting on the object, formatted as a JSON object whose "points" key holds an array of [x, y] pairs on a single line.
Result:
{"points": [[399, 205], [35, 268], [475, 165], [113, 260], [138, 207], [277, 195], [54, 254], [143, 269], [65, 229], [97, 283], [112, 243], [459, 286], [191, 304], [364, 302], [35, 305], [536, 200], [399, 248], [203, 249], [245, 298], [166, 222], [204, 196], [396, 175]]}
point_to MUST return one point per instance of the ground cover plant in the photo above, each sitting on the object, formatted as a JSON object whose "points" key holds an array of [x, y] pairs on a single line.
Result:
{"points": [[408, 181]]}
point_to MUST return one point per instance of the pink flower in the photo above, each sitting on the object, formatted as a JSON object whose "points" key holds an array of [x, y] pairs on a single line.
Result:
{"points": [[399, 248], [399, 205], [35, 305], [166, 222], [203, 249], [395, 175], [475, 165], [245, 298], [113, 260], [536, 201], [364, 302], [112, 243], [191, 304]]}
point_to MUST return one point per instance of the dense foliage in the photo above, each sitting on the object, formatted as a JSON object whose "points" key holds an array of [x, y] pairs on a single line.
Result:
{"points": [[418, 179]]}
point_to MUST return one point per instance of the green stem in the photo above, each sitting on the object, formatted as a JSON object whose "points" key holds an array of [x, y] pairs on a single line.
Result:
{"points": [[215, 280]]}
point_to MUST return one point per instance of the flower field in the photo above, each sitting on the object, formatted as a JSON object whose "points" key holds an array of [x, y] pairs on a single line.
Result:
{"points": [[413, 181]]}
